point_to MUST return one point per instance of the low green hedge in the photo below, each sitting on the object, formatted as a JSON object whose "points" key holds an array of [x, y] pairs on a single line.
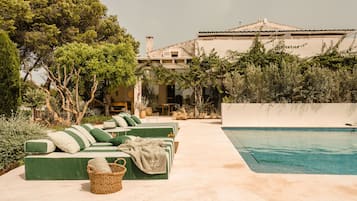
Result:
{"points": [[14, 131], [96, 119]]}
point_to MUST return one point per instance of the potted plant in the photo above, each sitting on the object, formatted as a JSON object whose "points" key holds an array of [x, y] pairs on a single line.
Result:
{"points": [[141, 106]]}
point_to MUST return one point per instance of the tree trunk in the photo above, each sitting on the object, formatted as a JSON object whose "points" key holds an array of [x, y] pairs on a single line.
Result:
{"points": [[195, 110], [79, 117], [68, 114], [26, 76], [33, 111], [56, 118], [107, 103], [198, 101]]}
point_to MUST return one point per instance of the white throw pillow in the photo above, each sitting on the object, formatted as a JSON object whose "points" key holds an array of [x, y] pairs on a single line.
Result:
{"points": [[120, 121], [109, 124], [79, 134], [100, 165], [85, 133], [64, 142]]}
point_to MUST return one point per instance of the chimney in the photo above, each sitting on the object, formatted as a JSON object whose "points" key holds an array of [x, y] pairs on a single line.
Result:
{"points": [[149, 44]]}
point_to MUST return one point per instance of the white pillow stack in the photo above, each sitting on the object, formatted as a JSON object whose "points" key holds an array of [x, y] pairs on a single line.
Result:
{"points": [[85, 133], [80, 135], [100, 165]]}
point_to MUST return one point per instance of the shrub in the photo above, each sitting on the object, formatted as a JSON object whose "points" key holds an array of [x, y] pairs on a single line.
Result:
{"points": [[9, 76], [14, 131], [95, 119]]}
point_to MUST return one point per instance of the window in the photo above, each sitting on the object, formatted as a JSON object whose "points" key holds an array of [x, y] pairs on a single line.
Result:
{"points": [[174, 53]]}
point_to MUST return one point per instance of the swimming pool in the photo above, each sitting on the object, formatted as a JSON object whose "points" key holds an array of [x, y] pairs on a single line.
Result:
{"points": [[297, 150]]}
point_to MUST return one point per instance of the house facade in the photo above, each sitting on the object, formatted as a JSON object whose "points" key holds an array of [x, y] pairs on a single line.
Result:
{"points": [[296, 41]]}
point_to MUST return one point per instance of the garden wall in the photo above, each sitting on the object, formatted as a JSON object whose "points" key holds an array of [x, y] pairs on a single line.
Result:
{"points": [[289, 114]]}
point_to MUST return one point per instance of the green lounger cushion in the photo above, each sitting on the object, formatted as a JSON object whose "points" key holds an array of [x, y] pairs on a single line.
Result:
{"points": [[174, 125], [100, 135], [64, 166], [160, 131], [60, 166], [41, 146], [136, 119]]}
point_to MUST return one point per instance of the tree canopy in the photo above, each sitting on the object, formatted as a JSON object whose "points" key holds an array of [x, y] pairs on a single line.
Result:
{"points": [[73, 61], [9, 76], [39, 26]]}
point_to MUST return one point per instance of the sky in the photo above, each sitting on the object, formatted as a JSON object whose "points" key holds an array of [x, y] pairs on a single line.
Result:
{"points": [[174, 21]]}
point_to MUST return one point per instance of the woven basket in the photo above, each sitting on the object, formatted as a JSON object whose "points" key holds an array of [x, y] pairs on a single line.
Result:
{"points": [[104, 183]]}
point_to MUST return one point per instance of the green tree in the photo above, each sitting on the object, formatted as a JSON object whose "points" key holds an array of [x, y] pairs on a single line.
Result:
{"points": [[318, 85], [283, 84], [40, 26], [331, 57], [9, 76], [81, 69], [217, 70], [196, 77], [73, 61], [234, 86], [206, 70], [258, 56], [34, 98], [14, 13], [118, 63]]}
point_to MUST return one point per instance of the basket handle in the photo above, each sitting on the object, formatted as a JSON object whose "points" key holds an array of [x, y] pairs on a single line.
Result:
{"points": [[90, 168], [120, 159]]}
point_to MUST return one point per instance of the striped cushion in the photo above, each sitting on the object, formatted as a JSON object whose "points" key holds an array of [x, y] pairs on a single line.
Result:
{"points": [[42, 146], [136, 119], [129, 121], [76, 138], [100, 144], [123, 114], [85, 133], [101, 149], [88, 127], [64, 142], [80, 135], [120, 121]]}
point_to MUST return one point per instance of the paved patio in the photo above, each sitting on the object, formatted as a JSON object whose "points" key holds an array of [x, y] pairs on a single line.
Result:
{"points": [[206, 168]]}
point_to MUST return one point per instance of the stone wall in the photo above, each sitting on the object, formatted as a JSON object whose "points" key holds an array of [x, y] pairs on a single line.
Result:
{"points": [[286, 115]]}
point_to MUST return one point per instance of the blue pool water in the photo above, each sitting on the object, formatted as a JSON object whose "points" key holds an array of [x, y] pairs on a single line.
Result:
{"points": [[297, 150]]}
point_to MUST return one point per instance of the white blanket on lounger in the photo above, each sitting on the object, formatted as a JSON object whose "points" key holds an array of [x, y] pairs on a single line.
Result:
{"points": [[148, 154]]}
